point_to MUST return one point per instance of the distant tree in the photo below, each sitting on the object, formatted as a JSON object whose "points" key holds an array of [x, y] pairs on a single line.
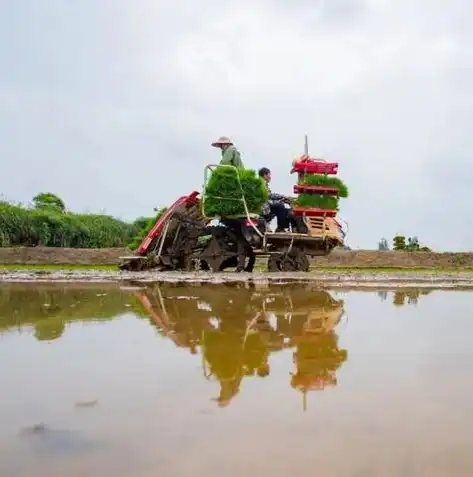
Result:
{"points": [[48, 200], [383, 245], [383, 295], [399, 298], [49, 330], [399, 243], [140, 222], [411, 245]]}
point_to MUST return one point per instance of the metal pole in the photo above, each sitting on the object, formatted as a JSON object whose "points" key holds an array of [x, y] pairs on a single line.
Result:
{"points": [[306, 145]]}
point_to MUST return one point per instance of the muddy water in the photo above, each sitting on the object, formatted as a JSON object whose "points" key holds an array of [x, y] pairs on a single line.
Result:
{"points": [[234, 381]]}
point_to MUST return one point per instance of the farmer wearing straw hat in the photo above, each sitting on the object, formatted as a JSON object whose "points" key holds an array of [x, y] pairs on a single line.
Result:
{"points": [[230, 154]]}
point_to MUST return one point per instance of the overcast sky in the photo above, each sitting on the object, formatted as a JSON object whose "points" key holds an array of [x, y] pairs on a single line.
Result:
{"points": [[113, 104]]}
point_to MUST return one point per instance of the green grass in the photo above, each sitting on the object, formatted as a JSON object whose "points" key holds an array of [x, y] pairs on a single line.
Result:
{"points": [[374, 269], [258, 267], [394, 269]]}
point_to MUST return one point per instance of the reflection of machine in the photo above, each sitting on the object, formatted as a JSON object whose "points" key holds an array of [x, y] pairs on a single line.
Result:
{"points": [[238, 327], [318, 357], [308, 318], [317, 360], [177, 316]]}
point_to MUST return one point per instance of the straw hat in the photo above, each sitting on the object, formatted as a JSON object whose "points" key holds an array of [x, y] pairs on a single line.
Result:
{"points": [[221, 141]]}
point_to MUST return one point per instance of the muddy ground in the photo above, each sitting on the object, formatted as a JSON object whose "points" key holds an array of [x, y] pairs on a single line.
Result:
{"points": [[451, 269], [368, 258], [323, 279]]}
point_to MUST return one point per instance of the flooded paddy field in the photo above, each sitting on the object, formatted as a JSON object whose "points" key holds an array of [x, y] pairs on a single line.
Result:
{"points": [[235, 379]]}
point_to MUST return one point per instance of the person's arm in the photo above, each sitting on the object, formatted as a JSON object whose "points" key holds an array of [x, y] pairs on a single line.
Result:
{"points": [[276, 197], [237, 162]]}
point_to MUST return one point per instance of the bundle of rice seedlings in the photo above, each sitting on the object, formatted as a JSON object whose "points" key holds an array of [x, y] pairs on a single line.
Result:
{"points": [[223, 193], [321, 201]]}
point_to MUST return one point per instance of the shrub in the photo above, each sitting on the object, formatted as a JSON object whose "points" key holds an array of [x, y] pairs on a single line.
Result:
{"points": [[21, 226]]}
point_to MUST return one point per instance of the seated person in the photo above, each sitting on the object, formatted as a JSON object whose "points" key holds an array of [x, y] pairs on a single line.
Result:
{"points": [[275, 207]]}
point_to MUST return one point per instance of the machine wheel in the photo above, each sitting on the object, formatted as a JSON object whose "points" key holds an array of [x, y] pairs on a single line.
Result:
{"points": [[303, 263], [214, 255], [221, 251], [295, 261], [226, 249]]}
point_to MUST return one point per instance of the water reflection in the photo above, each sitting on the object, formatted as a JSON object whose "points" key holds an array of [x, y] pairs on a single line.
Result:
{"points": [[234, 327], [238, 327], [49, 308], [409, 297], [404, 297], [143, 394]]}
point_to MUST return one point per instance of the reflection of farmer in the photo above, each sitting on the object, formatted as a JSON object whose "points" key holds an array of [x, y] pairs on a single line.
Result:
{"points": [[256, 355], [222, 351], [233, 354]]}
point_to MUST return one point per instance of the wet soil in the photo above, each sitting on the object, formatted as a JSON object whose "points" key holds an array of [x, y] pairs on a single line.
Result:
{"points": [[323, 278], [338, 258]]}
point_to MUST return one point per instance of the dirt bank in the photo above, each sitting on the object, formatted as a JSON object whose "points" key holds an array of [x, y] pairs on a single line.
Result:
{"points": [[345, 259], [60, 256]]}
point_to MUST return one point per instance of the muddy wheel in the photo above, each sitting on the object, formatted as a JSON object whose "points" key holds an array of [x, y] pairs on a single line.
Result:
{"points": [[184, 263], [295, 261], [281, 263], [204, 265], [218, 254], [226, 249], [303, 264], [131, 265]]}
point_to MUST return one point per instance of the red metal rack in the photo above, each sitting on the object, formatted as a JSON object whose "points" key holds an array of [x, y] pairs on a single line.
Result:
{"points": [[306, 165]]}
